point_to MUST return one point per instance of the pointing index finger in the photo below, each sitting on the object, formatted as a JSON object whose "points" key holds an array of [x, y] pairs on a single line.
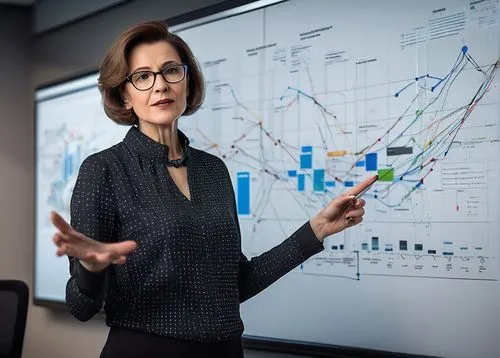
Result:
{"points": [[362, 187]]}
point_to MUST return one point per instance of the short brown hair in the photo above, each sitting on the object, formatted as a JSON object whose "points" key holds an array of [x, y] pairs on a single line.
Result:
{"points": [[114, 68]]}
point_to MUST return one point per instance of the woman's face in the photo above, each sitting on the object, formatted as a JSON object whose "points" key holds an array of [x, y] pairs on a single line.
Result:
{"points": [[165, 102]]}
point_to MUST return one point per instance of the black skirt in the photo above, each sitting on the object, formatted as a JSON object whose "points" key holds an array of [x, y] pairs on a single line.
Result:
{"points": [[125, 343]]}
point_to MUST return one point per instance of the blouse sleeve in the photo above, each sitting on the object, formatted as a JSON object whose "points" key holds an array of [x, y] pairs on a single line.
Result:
{"points": [[92, 214], [261, 271]]}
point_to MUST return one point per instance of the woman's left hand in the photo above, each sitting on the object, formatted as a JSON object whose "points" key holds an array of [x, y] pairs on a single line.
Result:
{"points": [[342, 212]]}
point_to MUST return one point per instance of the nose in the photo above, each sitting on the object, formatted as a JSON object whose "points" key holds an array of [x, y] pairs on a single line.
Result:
{"points": [[160, 84]]}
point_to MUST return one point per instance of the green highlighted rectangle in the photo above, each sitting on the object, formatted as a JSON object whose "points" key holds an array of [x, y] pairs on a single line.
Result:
{"points": [[386, 174]]}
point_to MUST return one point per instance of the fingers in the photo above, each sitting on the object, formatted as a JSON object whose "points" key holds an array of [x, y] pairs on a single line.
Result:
{"points": [[61, 251], [121, 252], [62, 244], [72, 243], [354, 214], [362, 186], [66, 249], [354, 221], [106, 258], [69, 245], [112, 253], [58, 221], [58, 239], [94, 257], [120, 261], [124, 248], [344, 200], [359, 203]]}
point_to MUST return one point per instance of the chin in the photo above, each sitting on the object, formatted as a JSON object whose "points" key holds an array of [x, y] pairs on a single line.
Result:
{"points": [[165, 119]]}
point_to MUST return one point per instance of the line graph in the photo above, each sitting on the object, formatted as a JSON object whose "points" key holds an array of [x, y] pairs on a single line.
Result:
{"points": [[406, 151], [410, 93]]}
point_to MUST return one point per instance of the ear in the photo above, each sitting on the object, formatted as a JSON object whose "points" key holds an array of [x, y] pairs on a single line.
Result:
{"points": [[126, 100]]}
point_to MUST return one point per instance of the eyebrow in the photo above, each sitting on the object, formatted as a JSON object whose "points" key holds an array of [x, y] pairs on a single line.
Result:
{"points": [[147, 68]]}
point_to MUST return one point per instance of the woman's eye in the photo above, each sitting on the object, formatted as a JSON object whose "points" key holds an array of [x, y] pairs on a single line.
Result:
{"points": [[171, 70]]}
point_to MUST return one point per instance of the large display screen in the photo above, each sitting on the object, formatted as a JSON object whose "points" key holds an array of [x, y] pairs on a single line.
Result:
{"points": [[304, 100]]}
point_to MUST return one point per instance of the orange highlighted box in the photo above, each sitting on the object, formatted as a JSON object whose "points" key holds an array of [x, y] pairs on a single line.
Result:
{"points": [[336, 153]]}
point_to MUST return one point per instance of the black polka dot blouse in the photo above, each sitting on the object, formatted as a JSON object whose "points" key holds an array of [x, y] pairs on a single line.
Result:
{"points": [[188, 275]]}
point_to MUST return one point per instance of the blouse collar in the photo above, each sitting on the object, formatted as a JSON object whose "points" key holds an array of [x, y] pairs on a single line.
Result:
{"points": [[144, 145]]}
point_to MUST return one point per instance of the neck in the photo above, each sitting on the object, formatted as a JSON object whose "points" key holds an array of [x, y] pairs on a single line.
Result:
{"points": [[166, 135]]}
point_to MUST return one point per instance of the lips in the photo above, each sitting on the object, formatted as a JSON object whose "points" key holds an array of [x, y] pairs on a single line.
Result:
{"points": [[163, 102]]}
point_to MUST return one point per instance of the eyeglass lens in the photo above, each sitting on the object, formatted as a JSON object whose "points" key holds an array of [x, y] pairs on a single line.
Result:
{"points": [[146, 79]]}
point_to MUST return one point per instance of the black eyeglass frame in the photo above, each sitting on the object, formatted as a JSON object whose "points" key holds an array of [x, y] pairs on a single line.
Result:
{"points": [[129, 77]]}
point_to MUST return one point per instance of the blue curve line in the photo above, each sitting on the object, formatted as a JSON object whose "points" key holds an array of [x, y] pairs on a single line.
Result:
{"points": [[418, 79], [300, 92], [460, 56]]}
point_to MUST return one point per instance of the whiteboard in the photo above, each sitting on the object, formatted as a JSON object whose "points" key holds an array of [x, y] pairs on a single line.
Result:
{"points": [[304, 100], [307, 98]]}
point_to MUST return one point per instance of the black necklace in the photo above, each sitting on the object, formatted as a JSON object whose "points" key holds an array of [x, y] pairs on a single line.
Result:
{"points": [[177, 163], [180, 162]]}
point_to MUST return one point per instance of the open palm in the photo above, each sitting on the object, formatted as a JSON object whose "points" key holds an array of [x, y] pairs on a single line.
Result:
{"points": [[94, 255]]}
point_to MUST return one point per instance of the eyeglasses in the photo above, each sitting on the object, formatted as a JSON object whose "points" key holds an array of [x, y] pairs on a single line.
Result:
{"points": [[145, 80]]}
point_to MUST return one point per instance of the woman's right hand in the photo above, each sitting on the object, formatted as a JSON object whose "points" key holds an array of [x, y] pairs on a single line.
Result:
{"points": [[95, 256]]}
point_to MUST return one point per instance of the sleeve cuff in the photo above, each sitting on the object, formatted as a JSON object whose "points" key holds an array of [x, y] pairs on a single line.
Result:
{"points": [[307, 240], [90, 283]]}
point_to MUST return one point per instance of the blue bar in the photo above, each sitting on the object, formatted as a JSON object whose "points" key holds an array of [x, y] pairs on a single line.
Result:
{"points": [[70, 166], [302, 182], [375, 243], [319, 180], [306, 161], [306, 157], [76, 159], [364, 246], [360, 163], [348, 183], [243, 182], [371, 162], [292, 173], [329, 184], [65, 164]]}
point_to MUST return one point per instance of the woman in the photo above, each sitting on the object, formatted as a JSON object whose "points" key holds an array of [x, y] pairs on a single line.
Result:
{"points": [[154, 230]]}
